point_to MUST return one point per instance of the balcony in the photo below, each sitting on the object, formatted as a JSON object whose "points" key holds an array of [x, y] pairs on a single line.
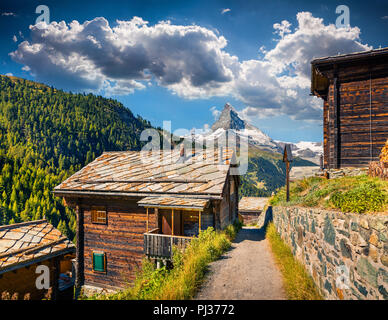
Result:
{"points": [[160, 246]]}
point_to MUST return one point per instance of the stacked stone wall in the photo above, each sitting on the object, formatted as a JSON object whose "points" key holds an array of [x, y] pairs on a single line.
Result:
{"points": [[345, 253]]}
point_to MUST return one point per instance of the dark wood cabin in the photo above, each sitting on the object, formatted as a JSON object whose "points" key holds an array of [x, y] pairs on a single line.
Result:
{"points": [[130, 204], [250, 208], [354, 89], [27, 245]]}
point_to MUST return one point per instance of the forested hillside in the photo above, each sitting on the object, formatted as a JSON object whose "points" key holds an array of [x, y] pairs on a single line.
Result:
{"points": [[45, 136]]}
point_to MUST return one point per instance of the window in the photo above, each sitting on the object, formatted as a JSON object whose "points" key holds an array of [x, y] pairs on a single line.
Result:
{"points": [[99, 215], [99, 261]]}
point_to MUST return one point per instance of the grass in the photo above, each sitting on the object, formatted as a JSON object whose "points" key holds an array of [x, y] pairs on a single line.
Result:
{"points": [[360, 194], [297, 282], [183, 280]]}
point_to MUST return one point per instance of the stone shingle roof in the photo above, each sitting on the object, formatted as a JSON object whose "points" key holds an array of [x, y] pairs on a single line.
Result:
{"points": [[25, 242], [165, 173], [252, 204], [169, 202]]}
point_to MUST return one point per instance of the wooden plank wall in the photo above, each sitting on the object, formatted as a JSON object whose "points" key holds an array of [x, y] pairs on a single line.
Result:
{"points": [[326, 139], [121, 239], [225, 205], [363, 121]]}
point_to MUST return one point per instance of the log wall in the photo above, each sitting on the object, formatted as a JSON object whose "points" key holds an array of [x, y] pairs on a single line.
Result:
{"points": [[356, 130], [121, 239]]}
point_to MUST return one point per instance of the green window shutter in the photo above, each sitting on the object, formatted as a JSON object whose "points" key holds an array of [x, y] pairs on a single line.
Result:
{"points": [[99, 262]]}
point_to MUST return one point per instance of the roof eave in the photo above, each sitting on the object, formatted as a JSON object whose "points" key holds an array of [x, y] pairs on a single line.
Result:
{"points": [[101, 193]]}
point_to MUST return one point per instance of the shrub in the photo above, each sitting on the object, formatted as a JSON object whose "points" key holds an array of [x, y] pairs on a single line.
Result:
{"points": [[363, 197], [349, 194], [182, 281]]}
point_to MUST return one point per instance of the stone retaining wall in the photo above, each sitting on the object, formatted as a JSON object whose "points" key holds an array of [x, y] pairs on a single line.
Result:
{"points": [[346, 254]]}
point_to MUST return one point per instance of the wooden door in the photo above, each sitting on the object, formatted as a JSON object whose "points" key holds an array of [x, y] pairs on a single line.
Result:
{"points": [[166, 221]]}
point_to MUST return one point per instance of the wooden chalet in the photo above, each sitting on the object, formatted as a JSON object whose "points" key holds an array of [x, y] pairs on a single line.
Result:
{"points": [[354, 89], [23, 247], [130, 204], [250, 208]]}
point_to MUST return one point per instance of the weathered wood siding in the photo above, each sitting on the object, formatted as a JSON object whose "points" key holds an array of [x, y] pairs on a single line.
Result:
{"points": [[121, 239], [229, 203], [355, 115]]}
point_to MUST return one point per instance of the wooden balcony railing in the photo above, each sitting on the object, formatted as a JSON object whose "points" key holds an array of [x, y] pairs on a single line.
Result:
{"points": [[160, 245]]}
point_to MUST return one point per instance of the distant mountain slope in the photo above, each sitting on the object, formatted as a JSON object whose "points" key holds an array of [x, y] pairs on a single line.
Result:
{"points": [[48, 134], [266, 172]]}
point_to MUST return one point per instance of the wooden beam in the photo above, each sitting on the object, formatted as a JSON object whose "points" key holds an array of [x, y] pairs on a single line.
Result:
{"points": [[80, 247], [147, 219], [288, 180], [55, 283], [199, 220], [336, 109], [172, 218]]}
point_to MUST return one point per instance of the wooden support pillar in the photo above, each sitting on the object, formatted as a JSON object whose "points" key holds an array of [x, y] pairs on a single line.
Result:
{"points": [[288, 180], [172, 222], [79, 280], [199, 220], [337, 124], [147, 219], [55, 281]]}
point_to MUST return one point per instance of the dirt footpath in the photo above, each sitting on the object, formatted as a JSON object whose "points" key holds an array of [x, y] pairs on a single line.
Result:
{"points": [[247, 271]]}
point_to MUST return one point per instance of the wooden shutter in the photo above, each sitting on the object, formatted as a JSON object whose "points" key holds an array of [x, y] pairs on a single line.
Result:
{"points": [[99, 261], [99, 215]]}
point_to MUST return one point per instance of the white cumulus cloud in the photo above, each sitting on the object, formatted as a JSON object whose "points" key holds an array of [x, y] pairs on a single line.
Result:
{"points": [[191, 61]]}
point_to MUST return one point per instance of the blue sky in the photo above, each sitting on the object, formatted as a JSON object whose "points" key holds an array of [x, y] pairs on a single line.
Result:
{"points": [[201, 59]]}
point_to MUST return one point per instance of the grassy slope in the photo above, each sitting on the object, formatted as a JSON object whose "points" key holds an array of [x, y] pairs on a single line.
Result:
{"points": [[297, 282], [361, 194]]}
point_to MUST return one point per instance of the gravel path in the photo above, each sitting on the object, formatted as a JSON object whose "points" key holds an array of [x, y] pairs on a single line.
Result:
{"points": [[247, 271]]}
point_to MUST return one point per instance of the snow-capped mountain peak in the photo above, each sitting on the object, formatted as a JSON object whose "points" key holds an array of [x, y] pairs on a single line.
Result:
{"points": [[230, 121]]}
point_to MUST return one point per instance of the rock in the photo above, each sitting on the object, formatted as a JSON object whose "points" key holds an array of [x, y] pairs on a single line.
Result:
{"points": [[340, 294], [354, 239], [328, 286], [364, 223], [354, 226], [383, 292], [367, 271], [374, 240], [345, 249], [384, 259], [373, 253], [377, 225], [328, 231], [383, 236], [383, 274], [361, 289]]}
